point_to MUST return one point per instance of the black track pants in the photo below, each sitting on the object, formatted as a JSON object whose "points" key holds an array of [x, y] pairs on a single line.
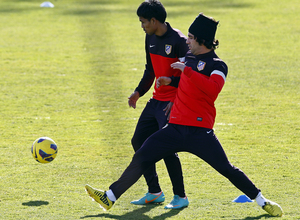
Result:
{"points": [[201, 142], [151, 120]]}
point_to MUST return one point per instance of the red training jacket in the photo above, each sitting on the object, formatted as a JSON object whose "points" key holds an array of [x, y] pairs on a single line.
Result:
{"points": [[202, 80]]}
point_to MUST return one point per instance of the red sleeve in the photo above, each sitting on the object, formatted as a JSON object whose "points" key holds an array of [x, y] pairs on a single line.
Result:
{"points": [[212, 85]]}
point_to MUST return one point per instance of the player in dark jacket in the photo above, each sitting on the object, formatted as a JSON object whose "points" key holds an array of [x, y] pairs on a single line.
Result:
{"points": [[191, 122], [164, 46]]}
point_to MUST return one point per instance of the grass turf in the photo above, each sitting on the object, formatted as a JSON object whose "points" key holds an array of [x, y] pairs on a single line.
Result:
{"points": [[66, 73]]}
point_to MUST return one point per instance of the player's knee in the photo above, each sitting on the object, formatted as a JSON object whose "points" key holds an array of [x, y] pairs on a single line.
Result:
{"points": [[171, 158], [141, 160], [228, 170], [136, 143]]}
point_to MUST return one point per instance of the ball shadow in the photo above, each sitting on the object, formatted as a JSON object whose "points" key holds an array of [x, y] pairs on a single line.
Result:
{"points": [[35, 203]]}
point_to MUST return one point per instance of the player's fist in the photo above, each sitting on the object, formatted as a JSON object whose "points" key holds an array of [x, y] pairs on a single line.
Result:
{"points": [[163, 80], [178, 65], [132, 99]]}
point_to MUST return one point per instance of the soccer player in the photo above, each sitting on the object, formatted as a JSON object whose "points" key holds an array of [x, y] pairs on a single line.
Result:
{"points": [[164, 46], [191, 122]]}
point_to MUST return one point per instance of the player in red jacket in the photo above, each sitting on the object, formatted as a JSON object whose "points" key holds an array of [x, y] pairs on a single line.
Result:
{"points": [[192, 119]]}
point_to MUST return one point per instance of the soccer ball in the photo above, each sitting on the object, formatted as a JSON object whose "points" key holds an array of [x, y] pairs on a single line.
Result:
{"points": [[44, 150]]}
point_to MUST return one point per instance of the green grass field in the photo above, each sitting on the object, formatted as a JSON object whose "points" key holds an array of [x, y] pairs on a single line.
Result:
{"points": [[66, 73]]}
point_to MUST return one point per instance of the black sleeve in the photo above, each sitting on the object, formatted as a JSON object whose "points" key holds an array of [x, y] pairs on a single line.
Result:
{"points": [[149, 76], [175, 81], [146, 82]]}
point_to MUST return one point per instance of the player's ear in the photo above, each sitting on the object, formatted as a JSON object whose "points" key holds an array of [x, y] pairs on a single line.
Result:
{"points": [[153, 20]]}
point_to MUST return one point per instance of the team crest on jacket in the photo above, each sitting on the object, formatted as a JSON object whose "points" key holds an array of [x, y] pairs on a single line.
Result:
{"points": [[168, 49], [201, 65]]}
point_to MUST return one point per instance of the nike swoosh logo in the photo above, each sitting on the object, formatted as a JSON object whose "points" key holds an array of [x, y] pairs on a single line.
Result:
{"points": [[152, 46], [146, 201], [208, 131]]}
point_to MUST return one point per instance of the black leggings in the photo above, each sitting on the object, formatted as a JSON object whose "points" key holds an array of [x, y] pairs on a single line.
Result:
{"points": [[152, 119], [201, 142]]}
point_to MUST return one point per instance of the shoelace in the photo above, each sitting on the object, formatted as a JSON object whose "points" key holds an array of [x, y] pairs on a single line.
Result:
{"points": [[176, 199]]}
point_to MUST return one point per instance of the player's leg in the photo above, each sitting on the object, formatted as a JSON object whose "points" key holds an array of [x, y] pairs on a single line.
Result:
{"points": [[151, 151], [211, 151], [207, 147], [160, 144], [174, 167], [146, 126], [175, 172]]}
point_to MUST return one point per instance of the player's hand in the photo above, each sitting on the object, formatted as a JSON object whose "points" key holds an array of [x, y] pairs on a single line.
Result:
{"points": [[132, 99], [167, 109], [163, 80], [178, 65]]}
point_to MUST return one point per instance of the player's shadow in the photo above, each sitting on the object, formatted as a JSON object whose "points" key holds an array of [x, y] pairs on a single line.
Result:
{"points": [[35, 203], [137, 214], [264, 216]]}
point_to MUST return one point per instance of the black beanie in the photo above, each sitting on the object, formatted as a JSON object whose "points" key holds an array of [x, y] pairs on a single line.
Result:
{"points": [[204, 28]]}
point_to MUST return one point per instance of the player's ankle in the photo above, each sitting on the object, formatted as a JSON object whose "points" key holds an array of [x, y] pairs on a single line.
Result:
{"points": [[111, 195], [260, 199]]}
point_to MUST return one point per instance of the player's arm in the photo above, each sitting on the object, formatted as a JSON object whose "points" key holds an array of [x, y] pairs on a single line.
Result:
{"points": [[149, 76], [173, 80], [167, 109], [168, 81], [145, 82], [132, 99], [211, 85], [143, 87]]}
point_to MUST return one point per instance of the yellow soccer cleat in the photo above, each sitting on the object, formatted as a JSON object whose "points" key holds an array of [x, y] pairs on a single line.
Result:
{"points": [[273, 208], [100, 197]]}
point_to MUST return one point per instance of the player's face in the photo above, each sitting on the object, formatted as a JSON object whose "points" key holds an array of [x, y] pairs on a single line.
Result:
{"points": [[192, 44], [148, 26]]}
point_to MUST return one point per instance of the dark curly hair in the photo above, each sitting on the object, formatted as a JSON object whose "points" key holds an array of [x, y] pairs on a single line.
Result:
{"points": [[152, 9], [209, 44]]}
